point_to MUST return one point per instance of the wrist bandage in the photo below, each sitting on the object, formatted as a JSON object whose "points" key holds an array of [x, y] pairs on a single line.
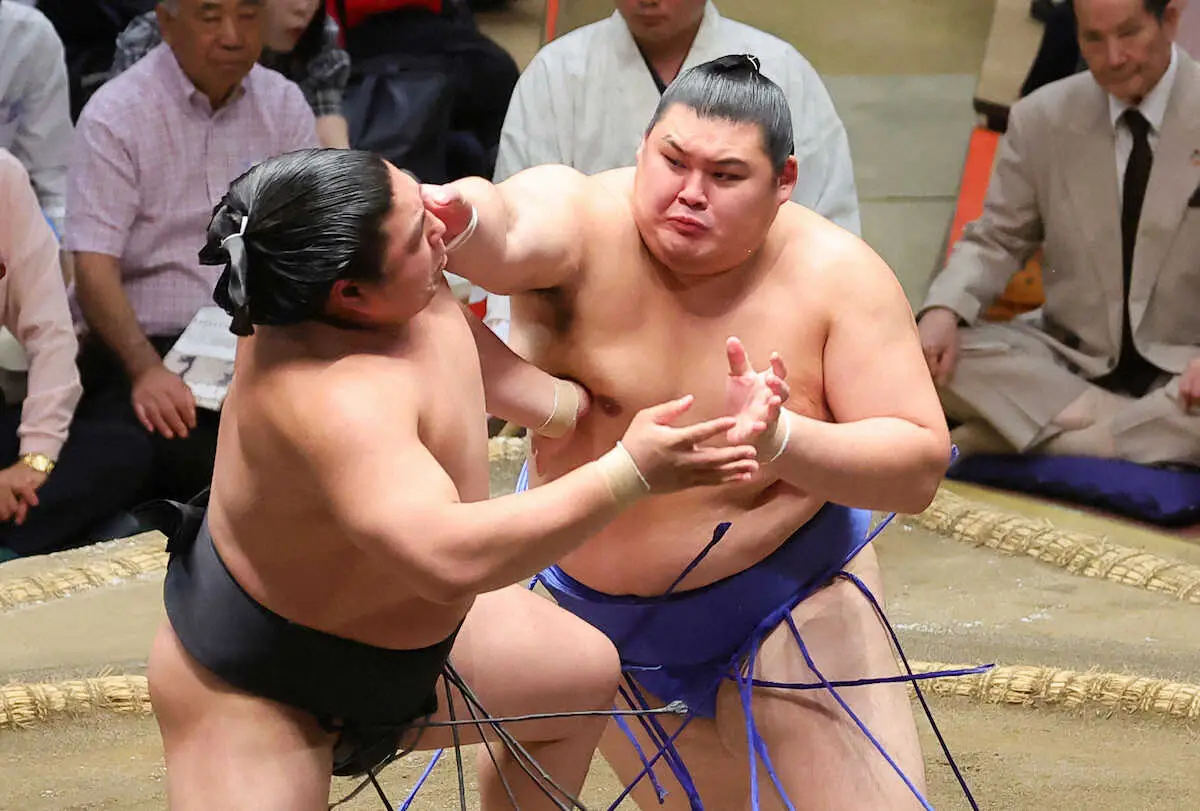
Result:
{"points": [[621, 474], [456, 243], [772, 445], [564, 412]]}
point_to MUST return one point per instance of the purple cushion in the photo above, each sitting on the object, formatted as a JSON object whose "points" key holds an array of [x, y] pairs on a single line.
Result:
{"points": [[1168, 497]]}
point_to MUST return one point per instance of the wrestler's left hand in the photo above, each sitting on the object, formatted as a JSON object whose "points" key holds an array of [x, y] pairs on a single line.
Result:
{"points": [[1189, 387], [448, 205], [753, 399], [544, 449]]}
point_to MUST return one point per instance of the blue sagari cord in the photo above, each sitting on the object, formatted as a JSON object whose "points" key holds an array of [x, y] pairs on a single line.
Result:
{"points": [[743, 677]]}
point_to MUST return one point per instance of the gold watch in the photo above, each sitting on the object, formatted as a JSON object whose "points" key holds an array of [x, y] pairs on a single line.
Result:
{"points": [[38, 461]]}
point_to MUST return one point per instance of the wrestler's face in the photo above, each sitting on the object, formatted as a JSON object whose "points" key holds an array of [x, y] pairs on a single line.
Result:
{"points": [[286, 21], [655, 21], [216, 42], [413, 260], [705, 193], [1126, 47]]}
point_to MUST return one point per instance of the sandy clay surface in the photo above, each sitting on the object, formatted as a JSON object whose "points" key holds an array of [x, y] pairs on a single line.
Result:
{"points": [[951, 602]]}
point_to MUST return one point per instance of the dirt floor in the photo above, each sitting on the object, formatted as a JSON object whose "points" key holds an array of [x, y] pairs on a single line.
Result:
{"points": [[950, 601]]}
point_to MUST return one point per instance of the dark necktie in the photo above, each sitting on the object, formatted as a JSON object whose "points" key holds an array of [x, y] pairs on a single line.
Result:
{"points": [[1133, 373]]}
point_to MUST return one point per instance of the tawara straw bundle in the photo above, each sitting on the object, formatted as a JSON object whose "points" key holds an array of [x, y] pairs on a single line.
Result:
{"points": [[1078, 552], [142, 555], [23, 706], [27, 705]]}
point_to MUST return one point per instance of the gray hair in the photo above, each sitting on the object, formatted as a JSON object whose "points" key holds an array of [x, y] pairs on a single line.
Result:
{"points": [[172, 6]]}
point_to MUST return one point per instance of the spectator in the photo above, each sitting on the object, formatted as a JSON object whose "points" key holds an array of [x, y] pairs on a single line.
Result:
{"points": [[35, 113], [299, 40], [585, 99], [1110, 366], [155, 149], [60, 478]]}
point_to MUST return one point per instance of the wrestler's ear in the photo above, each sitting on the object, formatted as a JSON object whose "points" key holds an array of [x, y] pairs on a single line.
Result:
{"points": [[787, 180], [346, 298]]}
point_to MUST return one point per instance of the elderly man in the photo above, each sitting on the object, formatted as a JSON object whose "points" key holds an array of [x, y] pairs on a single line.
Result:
{"points": [[157, 146], [60, 477], [637, 277], [299, 40], [1101, 171], [585, 99], [35, 113]]}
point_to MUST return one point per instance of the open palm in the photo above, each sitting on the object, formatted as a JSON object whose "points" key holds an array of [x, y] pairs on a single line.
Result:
{"points": [[753, 398]]}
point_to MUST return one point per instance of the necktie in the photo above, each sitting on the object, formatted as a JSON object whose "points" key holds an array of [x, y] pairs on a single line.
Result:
{"points": [[1133, 373]]}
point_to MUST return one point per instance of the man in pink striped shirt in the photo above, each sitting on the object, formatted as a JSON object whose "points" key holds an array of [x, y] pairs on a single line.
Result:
{"points": [[155, 149], [54, 486]]}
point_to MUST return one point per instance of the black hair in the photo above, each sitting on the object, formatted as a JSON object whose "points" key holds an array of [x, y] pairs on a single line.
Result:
{"points": [[1157, 7], [312, 217], [733, 88]]}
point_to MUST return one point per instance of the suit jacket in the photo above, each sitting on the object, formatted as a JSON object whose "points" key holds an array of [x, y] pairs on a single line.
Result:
{"points": [[1055, 186]]}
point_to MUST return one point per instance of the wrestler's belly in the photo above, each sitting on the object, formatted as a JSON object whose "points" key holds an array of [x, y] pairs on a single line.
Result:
{"points": [[648, 547]]}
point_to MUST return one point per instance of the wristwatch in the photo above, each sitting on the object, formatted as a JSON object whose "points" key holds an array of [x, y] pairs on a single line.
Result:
{"points": [[38, 461]]}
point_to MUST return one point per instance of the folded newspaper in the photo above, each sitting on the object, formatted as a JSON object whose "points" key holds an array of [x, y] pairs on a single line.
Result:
{"points": [[203, 357]]}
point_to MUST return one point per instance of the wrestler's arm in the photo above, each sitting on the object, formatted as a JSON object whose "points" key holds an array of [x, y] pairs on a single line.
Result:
{"points": [[529, 230], [361, 431], [888, 447], [516, 391]]}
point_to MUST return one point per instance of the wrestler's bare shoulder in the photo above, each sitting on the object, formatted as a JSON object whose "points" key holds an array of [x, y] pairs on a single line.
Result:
{"points": [[824, 254]]}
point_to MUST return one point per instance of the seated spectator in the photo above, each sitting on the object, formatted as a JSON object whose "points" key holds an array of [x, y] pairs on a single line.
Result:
{"points": [[59, 477], [1110, 366], [35, 114], [299, 41], [388, 37], [155, 149], [585, 99]]}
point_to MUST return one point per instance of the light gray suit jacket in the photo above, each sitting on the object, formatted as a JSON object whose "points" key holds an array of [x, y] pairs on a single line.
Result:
{"points": [[1055, 186]]}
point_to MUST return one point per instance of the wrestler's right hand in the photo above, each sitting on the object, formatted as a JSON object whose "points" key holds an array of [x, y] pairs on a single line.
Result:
{"points": [[448, 205], [163, 402], [671, 458]]}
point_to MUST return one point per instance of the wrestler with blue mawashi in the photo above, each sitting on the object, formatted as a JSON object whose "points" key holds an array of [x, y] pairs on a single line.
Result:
{"points": [[625, 282]]}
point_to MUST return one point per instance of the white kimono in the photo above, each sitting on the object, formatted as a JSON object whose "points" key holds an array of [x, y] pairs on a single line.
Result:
{"points": [[586, 98]]}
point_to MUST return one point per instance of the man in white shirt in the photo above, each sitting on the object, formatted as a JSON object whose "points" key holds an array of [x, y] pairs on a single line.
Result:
{"points": [[35, 113], [1102, 172], [585, 99]]}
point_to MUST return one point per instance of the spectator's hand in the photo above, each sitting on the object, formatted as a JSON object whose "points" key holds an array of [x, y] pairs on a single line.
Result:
{"points": [[941, 342], [753, 399], [164, 403], [447, 204], [1189, 387], [18, 492]]}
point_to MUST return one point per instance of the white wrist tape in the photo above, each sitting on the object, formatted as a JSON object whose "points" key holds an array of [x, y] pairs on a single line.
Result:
{"points": [[621, 474], [456, 243], [564, 412], [772, 445]]}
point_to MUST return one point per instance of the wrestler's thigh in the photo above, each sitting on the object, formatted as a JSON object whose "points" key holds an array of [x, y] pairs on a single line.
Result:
{"points": [[717, 770], [522, 654], [822, 758], [230, 750]]}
